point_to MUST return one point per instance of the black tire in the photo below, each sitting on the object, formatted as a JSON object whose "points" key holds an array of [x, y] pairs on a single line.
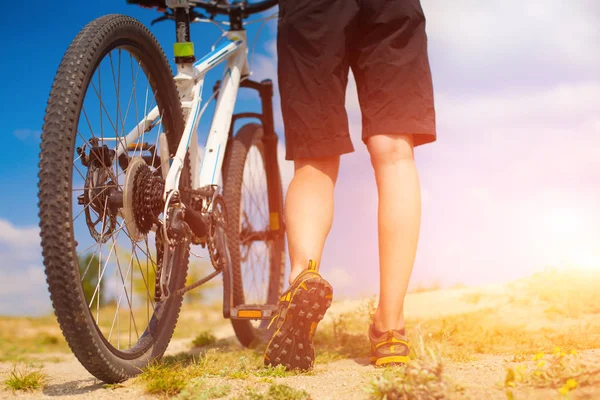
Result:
{"points": [[56, 206], [249, 137]]}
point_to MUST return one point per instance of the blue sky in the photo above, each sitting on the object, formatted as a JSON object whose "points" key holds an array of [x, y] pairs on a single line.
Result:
{"points": [[509, 188], [31, 58]]}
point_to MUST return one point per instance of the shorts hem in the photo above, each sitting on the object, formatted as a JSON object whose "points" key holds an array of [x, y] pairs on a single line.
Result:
{"points": [[419, 137], [321, 149]]}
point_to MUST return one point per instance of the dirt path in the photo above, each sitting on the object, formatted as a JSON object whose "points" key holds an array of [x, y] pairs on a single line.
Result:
{"points": [[348, 378], [343, 379]]}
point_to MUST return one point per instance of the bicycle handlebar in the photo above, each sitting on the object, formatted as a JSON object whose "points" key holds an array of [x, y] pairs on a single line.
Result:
{"points": [[160, 4], [225, 9], [213, 7]]}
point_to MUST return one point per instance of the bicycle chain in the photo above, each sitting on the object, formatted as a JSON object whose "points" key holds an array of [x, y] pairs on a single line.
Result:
{"points": [[148, 205], [218, 221], [196, 204], [159, 264]]}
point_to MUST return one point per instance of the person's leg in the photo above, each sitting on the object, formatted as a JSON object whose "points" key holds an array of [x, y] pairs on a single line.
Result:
{"points": [[399, 217], [309, 215], [309, 210], [393, 78], [312, 49]]}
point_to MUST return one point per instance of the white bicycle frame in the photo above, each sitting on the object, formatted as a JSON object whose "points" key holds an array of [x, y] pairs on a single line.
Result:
{"points": [[190, 82]]}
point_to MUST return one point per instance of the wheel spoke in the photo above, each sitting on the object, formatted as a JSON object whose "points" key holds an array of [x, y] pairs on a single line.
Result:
{"points": [[123, 280], [90, 202], [88, 124], [101, 274], [102, 107], [116, 318]]}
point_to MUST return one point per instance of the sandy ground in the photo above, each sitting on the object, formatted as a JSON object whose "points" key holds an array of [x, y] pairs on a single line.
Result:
{"points": [[343, 379]]}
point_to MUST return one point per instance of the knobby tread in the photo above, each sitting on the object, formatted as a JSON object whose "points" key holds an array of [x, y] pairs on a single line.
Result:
{"points": [[292, 344], [55, 185], [249, 135]]}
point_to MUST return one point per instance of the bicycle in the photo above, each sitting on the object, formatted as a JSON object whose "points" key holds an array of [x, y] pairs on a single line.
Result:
{"points": [[117, 302]]}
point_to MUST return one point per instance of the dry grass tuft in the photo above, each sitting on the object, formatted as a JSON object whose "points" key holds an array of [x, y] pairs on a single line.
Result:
{"points": [[275, 392], [421, 379], [26, 380], [563, 371]]}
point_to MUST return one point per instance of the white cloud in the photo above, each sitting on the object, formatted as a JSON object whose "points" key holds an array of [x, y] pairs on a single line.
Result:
{"points": [[23, 287], [572, 102], [339, 277], [21, 283], [520, 138], [474, 33], [18, 237], [28, 135]]}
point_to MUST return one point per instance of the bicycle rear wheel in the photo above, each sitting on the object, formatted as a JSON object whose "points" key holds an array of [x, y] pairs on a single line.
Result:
{"points": [[99, 210], [256, 242]]}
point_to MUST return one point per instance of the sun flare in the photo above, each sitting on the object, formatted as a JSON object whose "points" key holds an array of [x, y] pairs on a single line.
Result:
{"points": [[572, 239]]}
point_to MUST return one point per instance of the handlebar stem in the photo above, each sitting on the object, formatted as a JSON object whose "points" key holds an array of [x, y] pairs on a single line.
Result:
{"points": [[184, 48], [174, 4], [236, 17]]}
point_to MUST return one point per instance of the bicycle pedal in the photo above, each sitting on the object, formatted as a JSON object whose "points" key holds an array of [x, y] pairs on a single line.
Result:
{"points": [[253, 311]]}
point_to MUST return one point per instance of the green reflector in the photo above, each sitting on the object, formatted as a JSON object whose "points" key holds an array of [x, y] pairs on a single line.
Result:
{"points": [[183, 49]]}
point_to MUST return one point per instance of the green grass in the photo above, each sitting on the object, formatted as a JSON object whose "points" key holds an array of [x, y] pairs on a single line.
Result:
{"points": [[205, 338], [272, 372], [35, 336], [24, 379], [275, 392], [112, 386], [422, 378], [199, 389], [561, 370], [417, 383], [180, 358], [164, 379], [170, 376]]}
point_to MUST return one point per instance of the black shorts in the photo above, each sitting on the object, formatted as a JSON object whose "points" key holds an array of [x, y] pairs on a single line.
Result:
{"points": [[385, 44]]}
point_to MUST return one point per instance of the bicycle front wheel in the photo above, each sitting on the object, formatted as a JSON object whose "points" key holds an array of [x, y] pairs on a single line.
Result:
{"points": [[100, 193]]}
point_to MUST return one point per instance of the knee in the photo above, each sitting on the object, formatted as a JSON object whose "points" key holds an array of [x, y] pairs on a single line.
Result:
{"points": [[390, 149]]}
